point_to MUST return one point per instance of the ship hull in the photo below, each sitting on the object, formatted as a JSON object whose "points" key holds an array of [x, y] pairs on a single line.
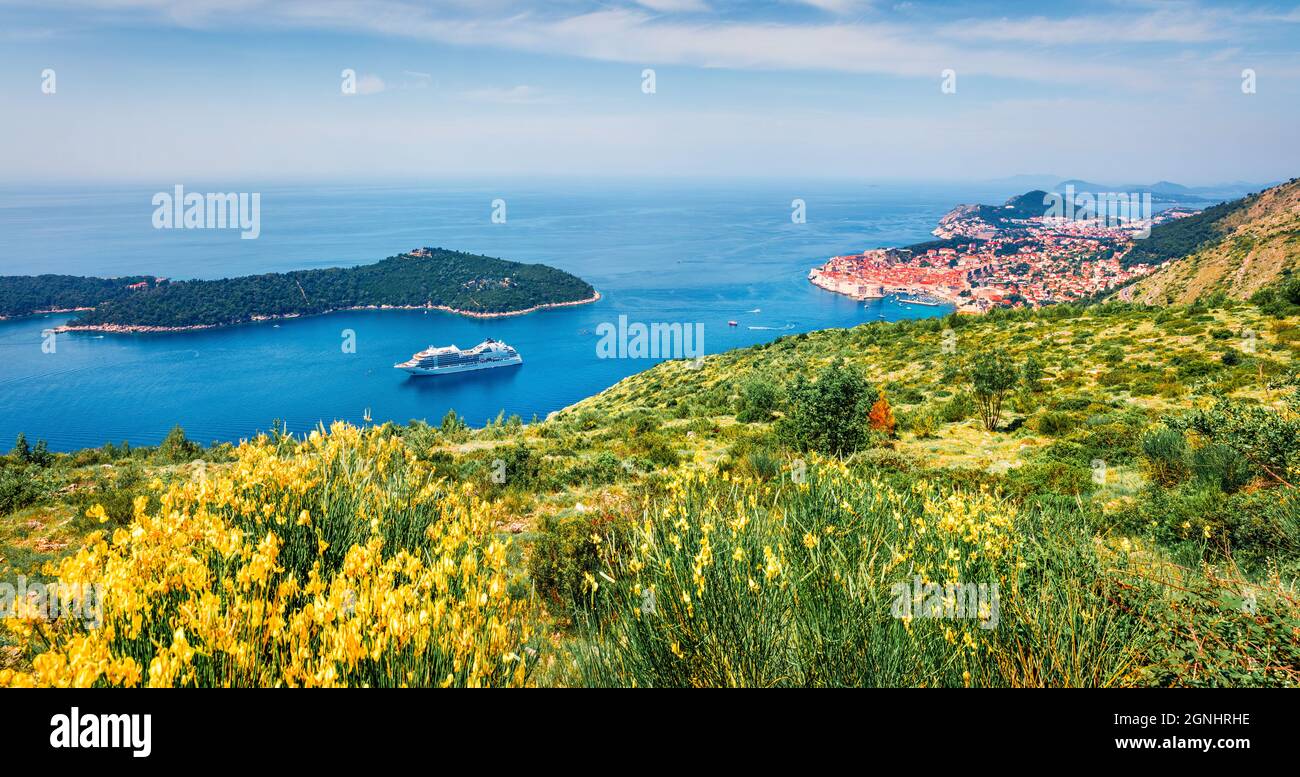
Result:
{"points": [[462, 367]]}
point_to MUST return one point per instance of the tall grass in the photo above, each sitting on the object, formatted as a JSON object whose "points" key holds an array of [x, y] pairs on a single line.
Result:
{"points": [[741, 583]]}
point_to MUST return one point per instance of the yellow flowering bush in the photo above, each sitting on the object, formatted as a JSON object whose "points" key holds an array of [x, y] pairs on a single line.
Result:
{"points": [[335, 560], [731, 581]]}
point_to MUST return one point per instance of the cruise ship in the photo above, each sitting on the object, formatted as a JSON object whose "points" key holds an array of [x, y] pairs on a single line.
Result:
{"points": [[439, 360]]}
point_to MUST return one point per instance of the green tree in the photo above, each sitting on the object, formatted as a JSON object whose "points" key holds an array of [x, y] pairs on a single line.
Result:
{"points": [[1032, 374], [758, 400], [992, 376], [177, 448], [41, 455], [22, 451], [829, 415]]}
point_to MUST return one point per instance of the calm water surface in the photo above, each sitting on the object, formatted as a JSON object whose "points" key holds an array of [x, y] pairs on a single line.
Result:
{"points": [[657, 252]]}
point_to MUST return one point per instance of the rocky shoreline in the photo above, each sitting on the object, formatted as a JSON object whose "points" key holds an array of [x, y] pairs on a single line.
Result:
{"points": [[144, 329]]}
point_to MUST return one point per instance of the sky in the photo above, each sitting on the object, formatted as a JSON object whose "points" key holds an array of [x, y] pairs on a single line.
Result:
{"points": [[253, 90]]}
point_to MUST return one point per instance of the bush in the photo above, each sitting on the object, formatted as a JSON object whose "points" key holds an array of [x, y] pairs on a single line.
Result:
{"points": [[829, 416], [758, 400], [923, 422], [723, 587], [567, 555], [1221, 466], [176, 448], [1165, 453], [23, 486], [958, 408], [1054, 423]]}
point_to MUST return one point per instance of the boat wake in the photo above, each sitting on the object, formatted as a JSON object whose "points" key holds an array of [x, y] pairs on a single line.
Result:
{"points": [[785, 328]]}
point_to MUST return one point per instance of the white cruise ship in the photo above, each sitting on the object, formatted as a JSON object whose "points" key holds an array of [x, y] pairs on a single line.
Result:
{"points": [[439, 360]]}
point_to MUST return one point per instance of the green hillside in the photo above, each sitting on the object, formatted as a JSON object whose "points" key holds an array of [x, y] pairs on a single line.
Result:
{"points": [[1234, 249], [1125, 475]]}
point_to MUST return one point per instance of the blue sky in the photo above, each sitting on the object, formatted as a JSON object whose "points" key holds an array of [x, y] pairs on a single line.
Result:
{"points": [[250, 89]]}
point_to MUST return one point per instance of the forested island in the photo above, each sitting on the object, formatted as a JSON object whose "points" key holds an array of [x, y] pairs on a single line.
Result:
{"points": [[25, 295], [433, 278]]}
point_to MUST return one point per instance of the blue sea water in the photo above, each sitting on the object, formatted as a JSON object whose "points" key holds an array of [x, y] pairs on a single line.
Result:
{"points": [[657, 251]]}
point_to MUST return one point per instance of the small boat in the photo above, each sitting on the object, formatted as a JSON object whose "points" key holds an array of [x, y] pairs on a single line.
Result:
{"points": [[733, 323]]}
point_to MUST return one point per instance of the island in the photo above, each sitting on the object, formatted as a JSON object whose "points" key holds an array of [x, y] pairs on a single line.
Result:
{"points": [[425, 278]]}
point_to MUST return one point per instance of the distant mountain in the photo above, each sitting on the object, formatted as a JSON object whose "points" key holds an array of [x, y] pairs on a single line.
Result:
{"points": [[1166, 191], [1236, 248]]}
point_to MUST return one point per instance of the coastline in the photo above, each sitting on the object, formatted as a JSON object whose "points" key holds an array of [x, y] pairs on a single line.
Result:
{"points": [[51, 312], [898, 290], [146, 329]]}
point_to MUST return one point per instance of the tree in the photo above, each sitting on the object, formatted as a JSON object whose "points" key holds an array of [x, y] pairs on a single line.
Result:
{"points": [[881, 417], [1032, 374], [758, 398], [22, 451], [992, 376], [829, 415], [177, 448]]}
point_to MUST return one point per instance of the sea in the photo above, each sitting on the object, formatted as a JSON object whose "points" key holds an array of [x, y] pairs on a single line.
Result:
{"points": [[672, 251]]}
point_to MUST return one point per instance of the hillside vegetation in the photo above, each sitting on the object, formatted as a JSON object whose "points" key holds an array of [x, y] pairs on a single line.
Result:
{"points": [[430, 277], [1124, 475], [1234, 250], [23, 295]]}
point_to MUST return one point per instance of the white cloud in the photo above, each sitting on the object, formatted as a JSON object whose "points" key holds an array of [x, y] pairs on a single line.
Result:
{"points": [[674, 6], [637, 36], [1129, 28], [515, 95]]}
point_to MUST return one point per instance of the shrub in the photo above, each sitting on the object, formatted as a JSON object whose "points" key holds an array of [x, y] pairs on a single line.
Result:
{"points": [[365, 569], [23, 486], [1055, 423], [923, 422], [176, 448], [758, 400], [1221, 466], [881, 418], [735, 584], [1165, 453], [567, 554], [830, 415], [958, 408]]}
